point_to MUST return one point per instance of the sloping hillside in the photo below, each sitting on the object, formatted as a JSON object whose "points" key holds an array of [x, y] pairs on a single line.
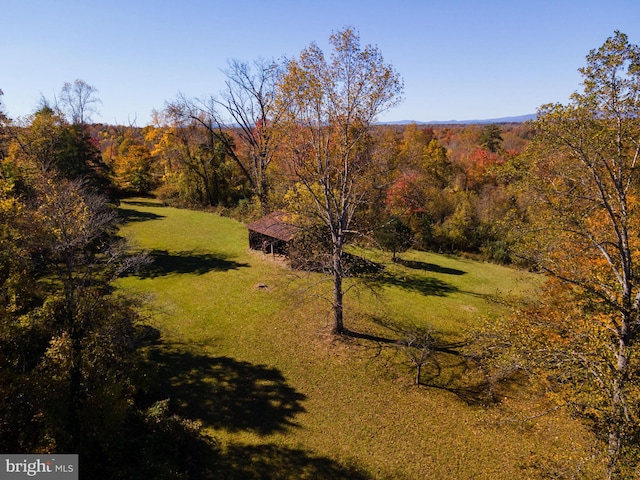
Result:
{"points": [[245, 349]]}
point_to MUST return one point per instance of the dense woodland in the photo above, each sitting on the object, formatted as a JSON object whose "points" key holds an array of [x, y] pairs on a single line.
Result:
{"points": [[448, 184], [558, 196]]}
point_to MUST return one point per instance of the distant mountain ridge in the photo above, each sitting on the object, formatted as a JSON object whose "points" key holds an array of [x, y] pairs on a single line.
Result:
{"points": [[516, 119]]}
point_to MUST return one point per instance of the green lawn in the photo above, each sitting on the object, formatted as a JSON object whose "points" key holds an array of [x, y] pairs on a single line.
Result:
{"points": [[246, 349]]}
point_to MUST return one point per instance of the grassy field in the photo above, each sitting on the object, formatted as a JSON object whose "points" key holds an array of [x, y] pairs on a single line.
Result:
{"points": [[246, 349]]}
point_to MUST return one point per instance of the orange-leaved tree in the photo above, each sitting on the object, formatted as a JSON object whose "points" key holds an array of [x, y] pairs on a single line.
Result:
{"points": [[583, 229]]}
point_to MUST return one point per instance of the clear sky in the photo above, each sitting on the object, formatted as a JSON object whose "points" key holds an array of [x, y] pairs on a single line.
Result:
{"points": [[459, 59]]}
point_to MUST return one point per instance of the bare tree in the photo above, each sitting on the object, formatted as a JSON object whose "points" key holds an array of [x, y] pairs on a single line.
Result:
{"points": [[419, 346], [250, 100], [248, 106], [4, 122], [78, 101]]}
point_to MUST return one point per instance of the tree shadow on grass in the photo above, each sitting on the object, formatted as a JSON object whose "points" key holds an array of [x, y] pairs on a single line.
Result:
{"points": [[205, 461], [424, 285], [257, 462], [166, 263], [369, 337], [128, 215], [430, 267], [186, 391], [448, 368], [144, 203], [450, 371], [449, 365], [225, 393], [467, 376]]}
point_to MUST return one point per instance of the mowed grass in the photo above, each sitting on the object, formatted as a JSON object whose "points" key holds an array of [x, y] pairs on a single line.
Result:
{"points": [[246, 349]]}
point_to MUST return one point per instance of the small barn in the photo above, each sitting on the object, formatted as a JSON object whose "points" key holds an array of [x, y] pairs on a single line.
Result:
{"points": [[272, 233]]}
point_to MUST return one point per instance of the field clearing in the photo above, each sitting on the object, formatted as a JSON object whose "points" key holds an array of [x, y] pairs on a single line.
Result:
{"points": [[246, 349]]}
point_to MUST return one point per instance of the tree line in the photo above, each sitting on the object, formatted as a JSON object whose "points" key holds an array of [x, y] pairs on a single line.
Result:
{"points": [[558, 195]]}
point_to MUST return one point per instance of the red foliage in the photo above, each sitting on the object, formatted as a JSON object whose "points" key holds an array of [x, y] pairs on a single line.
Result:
{"points": [[479, 168], [406, 195]]}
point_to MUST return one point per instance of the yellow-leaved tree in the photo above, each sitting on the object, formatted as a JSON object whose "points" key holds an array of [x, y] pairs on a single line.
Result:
{"points": [[580, 204], [331, 106]]}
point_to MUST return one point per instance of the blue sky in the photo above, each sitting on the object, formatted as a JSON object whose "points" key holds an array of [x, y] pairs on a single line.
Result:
{"points": [[459, 59]]}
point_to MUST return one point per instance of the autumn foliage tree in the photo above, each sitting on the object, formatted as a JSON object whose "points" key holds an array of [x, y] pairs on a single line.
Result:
{"points": [[66, 340], [249, 108], [331, 106], [427, 193], [70, 377], [192, 158], [583, 229], [47, 141], [134, 170]]}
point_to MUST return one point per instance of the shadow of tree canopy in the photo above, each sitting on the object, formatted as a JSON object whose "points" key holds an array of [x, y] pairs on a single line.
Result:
{"points": [[451, 371], [450, 365], [430, 267], [167, 263], [182, 392], [424, 285], [128, 215], [144, 203], [466, 376], [369, 337], [168, 449], [225, 393], [257, 462]]}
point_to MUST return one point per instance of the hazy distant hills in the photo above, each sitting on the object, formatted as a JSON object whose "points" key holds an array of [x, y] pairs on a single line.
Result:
{"points": [[517, 119]]}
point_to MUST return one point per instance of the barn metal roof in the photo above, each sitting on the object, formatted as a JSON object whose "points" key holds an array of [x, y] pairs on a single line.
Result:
{"points": [[277, 225]]}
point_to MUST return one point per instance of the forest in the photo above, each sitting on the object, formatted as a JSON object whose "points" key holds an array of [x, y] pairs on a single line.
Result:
{"points": [[557, 196]]}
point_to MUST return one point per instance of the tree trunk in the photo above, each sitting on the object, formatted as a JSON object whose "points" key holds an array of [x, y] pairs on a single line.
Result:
{"points": [[75, 390], [338, 325], [616, 429], [75, 333], [619, 415], [263, 195]]}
